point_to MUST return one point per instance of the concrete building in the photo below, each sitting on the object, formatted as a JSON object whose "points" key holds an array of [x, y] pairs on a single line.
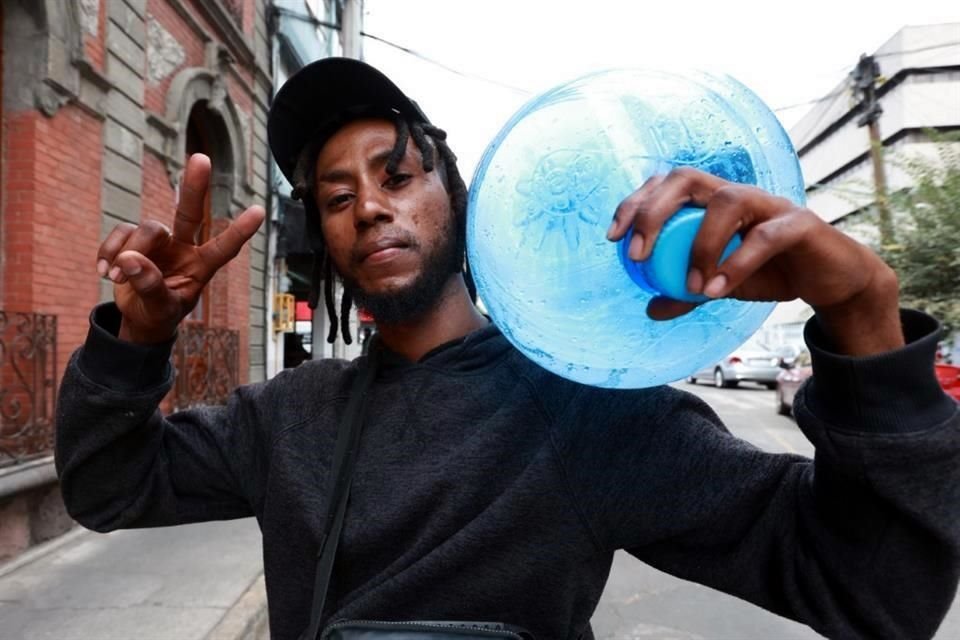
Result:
{"points": [[919, 89], [102, 102]]}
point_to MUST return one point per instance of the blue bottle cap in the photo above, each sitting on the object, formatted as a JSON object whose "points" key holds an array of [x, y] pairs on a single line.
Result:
{"points": [[665, 271]]}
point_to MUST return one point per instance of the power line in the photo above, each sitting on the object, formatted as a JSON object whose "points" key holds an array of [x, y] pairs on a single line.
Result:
{"points": [[446, 67], [814, 128], [472, 76], [832, 94], [420, 56], [943, 45], [843, 89]]}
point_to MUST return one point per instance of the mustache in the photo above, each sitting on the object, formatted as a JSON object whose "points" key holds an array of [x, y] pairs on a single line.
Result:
{"points": [[400, 236]]}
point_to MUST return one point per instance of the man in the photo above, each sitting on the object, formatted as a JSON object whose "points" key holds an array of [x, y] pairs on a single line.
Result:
{"points": [[485, 487]]}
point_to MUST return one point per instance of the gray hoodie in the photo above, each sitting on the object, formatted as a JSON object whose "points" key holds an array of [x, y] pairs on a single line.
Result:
{"points": [[487, 488]]}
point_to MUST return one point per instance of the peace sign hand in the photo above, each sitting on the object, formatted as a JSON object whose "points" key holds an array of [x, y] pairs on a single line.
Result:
{"points": [[158, 275]]}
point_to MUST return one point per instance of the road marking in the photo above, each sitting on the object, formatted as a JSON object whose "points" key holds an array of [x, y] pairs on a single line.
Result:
{"points": [[740, 403], [746, 401], [783, 442]]}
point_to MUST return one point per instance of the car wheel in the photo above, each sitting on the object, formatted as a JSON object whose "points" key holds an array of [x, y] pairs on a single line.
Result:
{"points": [[691, 380], [782, 407], [719, 381], [770, 385]]}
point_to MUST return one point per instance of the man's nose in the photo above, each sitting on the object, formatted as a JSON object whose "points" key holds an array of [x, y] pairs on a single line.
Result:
{"points": [[373, 207]]}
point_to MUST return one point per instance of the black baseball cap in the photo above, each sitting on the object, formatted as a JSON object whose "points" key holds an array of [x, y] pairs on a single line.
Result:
{"points": [[321, 97]]}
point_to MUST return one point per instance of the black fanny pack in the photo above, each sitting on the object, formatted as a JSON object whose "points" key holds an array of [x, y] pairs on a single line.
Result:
{"points": [[344, 457], [421, 630]]}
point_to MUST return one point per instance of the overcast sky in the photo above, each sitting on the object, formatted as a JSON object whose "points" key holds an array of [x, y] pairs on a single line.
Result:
{"points": [[787, 53]]}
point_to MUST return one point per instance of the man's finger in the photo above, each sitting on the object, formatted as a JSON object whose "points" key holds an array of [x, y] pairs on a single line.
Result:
{"points": [[144, 277], [224, 247], [661, 308], [682, 186], [144, 239], [627, 210], [112, 245], [193, 193], [727, 212], [760, 244]]}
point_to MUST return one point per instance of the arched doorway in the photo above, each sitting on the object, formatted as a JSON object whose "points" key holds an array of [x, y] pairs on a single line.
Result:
{"points": [[208, 350], [205, 120], [206, 133]]}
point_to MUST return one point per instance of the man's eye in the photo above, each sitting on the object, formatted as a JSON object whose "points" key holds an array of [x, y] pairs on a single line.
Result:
{"points": [[338, 200], [397, 180]]}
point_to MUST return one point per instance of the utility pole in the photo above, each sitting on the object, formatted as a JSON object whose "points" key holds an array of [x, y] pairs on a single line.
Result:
{"points": [[865, 77], [351, 27]]}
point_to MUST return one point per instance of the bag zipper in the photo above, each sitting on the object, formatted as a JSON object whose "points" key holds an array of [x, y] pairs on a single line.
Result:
{"points": [[418, 625]]}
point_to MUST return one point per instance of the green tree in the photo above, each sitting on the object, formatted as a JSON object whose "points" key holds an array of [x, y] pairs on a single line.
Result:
{"points": [[926, 252]]}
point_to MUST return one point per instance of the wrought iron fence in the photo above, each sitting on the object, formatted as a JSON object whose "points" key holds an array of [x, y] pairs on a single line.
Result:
{"points": [[207, 362], [28, 385]]}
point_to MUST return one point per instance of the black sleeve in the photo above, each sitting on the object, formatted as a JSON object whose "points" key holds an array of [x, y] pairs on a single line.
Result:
{"points": [[863, 541], [123, 464]]}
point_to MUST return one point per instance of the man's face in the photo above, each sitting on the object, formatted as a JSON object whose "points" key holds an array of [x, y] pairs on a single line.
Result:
{"points": [[391, 237]]}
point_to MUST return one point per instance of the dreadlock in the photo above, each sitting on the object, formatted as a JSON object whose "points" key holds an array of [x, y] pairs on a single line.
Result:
{"points": [[427, 139]]}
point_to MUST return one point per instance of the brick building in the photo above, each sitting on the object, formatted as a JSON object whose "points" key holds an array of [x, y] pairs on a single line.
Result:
{"points": [[102, 101]]}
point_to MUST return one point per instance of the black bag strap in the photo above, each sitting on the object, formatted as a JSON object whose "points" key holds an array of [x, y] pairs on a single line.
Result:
{"points": [[344, 459]]}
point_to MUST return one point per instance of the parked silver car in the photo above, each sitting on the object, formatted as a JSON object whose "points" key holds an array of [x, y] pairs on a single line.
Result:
{"points": [[750, 363]]}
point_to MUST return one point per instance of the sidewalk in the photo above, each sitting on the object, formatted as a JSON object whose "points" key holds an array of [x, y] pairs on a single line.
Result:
{"points": [[195, 582]]}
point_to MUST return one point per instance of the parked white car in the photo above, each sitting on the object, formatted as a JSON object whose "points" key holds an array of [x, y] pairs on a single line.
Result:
{"points": [[750, 363]]}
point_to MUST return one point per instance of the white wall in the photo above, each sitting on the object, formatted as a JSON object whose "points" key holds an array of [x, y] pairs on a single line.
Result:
{"points": [[854, 189]]}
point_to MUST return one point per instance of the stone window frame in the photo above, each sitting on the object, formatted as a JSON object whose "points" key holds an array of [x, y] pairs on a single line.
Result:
{"points": [[229, 181], [45, 65]]}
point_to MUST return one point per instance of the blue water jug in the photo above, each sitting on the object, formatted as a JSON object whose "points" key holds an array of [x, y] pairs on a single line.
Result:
{"points": [[545, 192]]}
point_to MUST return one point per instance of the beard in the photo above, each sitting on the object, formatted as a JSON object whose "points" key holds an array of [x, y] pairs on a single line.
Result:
{"points": [[409, 303]]}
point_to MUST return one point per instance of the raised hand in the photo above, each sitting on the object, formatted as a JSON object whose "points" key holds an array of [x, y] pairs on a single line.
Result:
{"points": [[158, 275], [787, 252]]}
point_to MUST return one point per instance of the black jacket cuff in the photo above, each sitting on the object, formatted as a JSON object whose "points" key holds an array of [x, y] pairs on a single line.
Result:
{"points": [[117, 364], [892, 392]]}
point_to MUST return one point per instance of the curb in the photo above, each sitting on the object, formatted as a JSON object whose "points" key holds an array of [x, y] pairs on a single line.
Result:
{"points": [[247, 618], [38, 551]]}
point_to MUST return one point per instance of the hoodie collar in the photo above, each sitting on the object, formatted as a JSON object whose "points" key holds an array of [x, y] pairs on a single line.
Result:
{"points": [[476, 350]]}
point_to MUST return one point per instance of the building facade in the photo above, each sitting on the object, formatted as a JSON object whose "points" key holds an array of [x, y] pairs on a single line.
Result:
{"points": [[918, 90], [102, 102]]}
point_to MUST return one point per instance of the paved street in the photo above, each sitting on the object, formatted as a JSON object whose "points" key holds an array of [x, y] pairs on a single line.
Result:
{"points": [[151, 584], [643, 603]]}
